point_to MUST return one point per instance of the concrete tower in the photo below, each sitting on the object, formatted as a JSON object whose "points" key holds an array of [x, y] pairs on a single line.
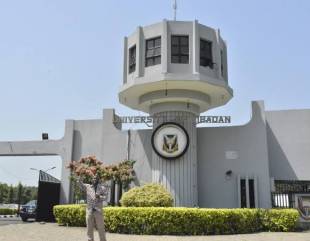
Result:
{"points": [[175, 70]]}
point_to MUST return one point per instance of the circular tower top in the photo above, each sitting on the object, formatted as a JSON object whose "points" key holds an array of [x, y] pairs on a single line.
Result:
{"points": [[178, 62]]}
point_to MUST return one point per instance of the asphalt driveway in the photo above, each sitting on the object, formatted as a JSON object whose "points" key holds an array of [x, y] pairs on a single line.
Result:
{"points": [[6, 220], [52, 232]]}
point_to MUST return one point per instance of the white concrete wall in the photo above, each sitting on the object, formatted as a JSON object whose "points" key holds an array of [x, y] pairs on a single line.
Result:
{"points": [[62, 148], [111, 144], [288, 133], [249, 142], [276, 139], [87, 138], [140, 150]]}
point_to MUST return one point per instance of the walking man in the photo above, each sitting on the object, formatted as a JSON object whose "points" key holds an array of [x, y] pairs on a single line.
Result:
{"points": [[96, 193]]}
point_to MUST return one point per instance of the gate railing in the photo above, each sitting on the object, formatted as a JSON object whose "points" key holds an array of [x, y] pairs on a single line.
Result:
{"points": [[285, 190]]}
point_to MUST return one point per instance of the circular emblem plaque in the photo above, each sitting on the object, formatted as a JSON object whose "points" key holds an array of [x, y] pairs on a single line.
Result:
{"points": [[170, 140]]}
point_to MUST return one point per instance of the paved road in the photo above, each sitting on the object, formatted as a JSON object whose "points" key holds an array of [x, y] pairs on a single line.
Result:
{"points": [[10, 220], [52, 232]]}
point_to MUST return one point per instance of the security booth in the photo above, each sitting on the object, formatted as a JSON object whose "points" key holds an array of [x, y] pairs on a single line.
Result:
{"points": [[48, 197]]}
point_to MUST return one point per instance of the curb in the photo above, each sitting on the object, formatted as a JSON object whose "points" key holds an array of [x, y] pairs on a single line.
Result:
{"points": [[8, 216]]}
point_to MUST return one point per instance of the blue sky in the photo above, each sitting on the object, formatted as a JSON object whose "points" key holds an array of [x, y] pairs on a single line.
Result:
{"points": [[63, 60]]}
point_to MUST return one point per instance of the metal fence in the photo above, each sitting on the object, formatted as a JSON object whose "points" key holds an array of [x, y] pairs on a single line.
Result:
{"points": [[285, 190]]}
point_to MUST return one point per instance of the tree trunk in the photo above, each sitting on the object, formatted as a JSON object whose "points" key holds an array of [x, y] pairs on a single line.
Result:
{"points": [[120, 192]]}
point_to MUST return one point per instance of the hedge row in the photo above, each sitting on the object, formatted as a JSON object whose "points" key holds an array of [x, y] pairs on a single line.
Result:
{"points": [[7, 211], [183, 221]]}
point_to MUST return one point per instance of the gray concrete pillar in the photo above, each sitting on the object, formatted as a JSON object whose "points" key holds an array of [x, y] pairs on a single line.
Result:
{"points": [[178, 176]]}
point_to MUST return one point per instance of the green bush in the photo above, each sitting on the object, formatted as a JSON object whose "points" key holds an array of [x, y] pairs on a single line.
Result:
{"points": [[7, 211], [182, 221], [71, 215], [149, 195], [280, 220]]}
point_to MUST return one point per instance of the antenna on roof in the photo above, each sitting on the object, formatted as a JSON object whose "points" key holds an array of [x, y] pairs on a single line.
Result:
{"points": [[175, 7]]}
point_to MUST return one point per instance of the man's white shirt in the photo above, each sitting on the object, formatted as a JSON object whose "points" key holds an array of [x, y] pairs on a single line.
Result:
{"points": [[94, 202]]}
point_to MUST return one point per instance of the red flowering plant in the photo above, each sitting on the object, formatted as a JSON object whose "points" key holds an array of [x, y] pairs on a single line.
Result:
{"points": [[87, 167]]}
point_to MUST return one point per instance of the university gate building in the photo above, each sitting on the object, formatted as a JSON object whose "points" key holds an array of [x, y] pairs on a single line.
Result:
{"points": [[174, 71]]}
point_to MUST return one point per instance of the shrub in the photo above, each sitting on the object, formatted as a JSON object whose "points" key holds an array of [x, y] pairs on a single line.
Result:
{"points": [[71, 215], [7, 211], [182, 221], [149, 195], [280, 220]]}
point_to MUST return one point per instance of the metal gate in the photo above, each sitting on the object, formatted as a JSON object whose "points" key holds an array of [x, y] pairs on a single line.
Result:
{"points": [[48, 197], [285, 190]]}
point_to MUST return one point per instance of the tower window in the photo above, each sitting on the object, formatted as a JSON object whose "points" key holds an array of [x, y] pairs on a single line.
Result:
{"points": [[179, 49], [206, 53], [132, 59], [222, 62], [153, 51]]}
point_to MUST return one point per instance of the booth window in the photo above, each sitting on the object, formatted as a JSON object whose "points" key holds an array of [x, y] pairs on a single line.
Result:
{"points": [[132, 59], [245, 194], [251, 193], [153, 51], [179, 49], [222, 62], [206, 59]]}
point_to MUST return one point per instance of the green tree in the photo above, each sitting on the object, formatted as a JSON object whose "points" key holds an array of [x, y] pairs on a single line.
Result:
{"points": [[19, 194], [10, 198], [27, 195], [4, 189], [10, 194], [34, 193]]}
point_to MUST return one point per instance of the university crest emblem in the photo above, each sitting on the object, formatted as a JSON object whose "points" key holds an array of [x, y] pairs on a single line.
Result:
{"points": [[170, 143], [170, 140]]}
